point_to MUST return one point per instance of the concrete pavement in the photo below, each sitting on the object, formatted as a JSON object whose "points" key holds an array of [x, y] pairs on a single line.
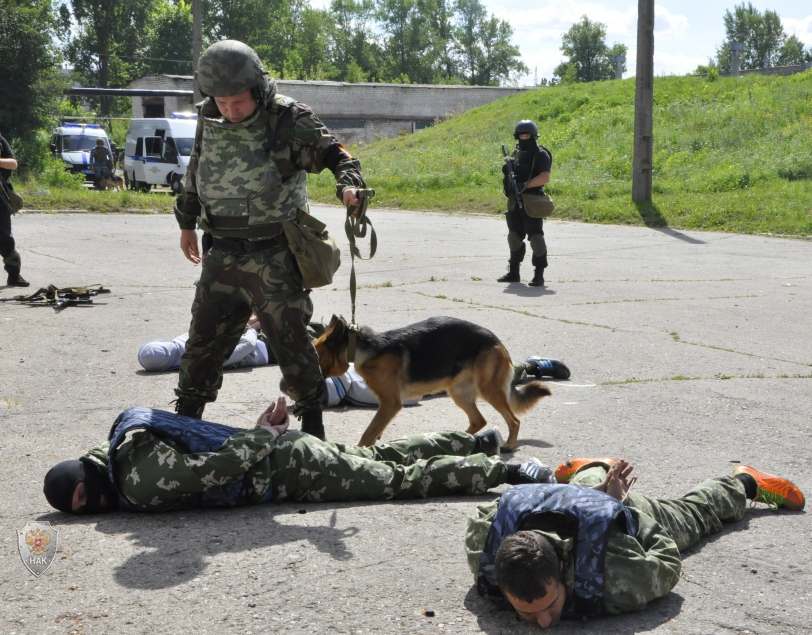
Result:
{"points": [[689, 351]]}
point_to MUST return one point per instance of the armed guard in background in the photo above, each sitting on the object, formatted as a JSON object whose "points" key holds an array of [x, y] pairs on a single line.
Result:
{"points": [[8, 251], [531, 167], [247, 176]]}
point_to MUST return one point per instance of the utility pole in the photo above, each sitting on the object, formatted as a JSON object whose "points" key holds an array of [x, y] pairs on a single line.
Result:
{"points": [[197, 46], [643, 103]]}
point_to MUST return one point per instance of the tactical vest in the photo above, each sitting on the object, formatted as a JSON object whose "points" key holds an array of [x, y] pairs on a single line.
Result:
{"points": [[241, 191], [195, 436], [595, 514]]}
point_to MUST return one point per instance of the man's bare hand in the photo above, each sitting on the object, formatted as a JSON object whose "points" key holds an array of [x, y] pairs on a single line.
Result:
{"points": [[188, 245], [253, 323], [618, 480], [275, 418], [351, 199]]}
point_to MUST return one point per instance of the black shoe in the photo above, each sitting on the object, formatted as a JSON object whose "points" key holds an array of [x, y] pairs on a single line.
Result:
{"points": [[538, 278], [513, 273], [190, 407], [532, 471], [543, 367], [313, 425], [16, 280], [488, 442]]}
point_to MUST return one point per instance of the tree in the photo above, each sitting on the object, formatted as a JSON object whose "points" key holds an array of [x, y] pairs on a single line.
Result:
{"points": [[352, 40], [169, 37], [499, 62], [585, 47], [792, 52], [29, 75], [407, 44], [470, 15], [761, 33], [107, 36]]}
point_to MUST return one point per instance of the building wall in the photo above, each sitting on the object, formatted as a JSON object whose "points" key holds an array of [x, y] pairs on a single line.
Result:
{"points": [[356, 112]]}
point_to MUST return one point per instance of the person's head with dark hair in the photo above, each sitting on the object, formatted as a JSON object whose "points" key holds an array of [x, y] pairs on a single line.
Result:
{"points": [[528, 572], [78, 487]]}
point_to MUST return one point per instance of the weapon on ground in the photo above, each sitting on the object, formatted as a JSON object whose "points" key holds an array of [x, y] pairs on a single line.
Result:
{"points": [[60, 298], [512, 178]]}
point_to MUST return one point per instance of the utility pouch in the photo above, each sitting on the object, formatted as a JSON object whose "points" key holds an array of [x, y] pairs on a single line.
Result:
{"points": [[16, 201], [538, 205], [317, 255]]}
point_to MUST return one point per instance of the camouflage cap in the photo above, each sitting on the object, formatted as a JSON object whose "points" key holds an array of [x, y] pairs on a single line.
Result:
{"points": [[229, 68]]}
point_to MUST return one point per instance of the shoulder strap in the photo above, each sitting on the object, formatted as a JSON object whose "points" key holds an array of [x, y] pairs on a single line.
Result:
{"points": [[278, 105]]}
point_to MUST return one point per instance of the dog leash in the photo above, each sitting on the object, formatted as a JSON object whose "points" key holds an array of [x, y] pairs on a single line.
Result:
{"points": [[357, 228]]}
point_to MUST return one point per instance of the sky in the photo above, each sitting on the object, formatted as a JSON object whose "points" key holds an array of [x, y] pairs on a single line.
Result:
{"points": [[686, 32]]}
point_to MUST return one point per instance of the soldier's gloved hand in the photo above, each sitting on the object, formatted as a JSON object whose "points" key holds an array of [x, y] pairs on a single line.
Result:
{"points": [[275, 418]]}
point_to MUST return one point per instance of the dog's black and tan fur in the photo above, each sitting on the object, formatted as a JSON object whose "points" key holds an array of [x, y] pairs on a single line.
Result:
{"points": [[439, 354], [111, 182]]}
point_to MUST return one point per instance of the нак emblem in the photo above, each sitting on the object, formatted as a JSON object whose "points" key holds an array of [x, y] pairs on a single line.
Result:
{"points": [[37, 544]]}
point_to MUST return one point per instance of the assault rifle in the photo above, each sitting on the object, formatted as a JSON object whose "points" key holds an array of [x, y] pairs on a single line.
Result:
{"points": [[512, 179], [60, 298]]}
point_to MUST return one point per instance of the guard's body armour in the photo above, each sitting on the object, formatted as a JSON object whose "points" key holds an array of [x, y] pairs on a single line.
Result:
{"points": [[195, 436], [594, 513], [241, 190]]}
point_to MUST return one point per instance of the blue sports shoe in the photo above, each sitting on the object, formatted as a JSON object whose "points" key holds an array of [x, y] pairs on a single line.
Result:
{"points": [[543, 367], [531, 471]]}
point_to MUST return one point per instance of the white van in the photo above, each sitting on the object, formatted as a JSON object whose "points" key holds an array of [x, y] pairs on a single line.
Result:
{"points": [[72, 142], [157, 151]]}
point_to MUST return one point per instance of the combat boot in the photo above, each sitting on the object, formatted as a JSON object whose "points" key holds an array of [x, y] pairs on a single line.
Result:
{"points": [[513, 273], [538, 278], [488, 442], [312, 424], [16, 280], [190, 407]]}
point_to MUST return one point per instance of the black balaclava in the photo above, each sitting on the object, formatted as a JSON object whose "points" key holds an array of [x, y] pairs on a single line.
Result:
{"points": [[527, 144], [62, 479]]}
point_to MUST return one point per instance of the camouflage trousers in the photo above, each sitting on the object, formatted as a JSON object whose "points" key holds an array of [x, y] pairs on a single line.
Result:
{"points": [[231, 286], [419, 466], [699, 513]]}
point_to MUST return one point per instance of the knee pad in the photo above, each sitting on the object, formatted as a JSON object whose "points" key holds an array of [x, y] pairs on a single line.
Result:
{"points": [[538, 245], [515, 241]]}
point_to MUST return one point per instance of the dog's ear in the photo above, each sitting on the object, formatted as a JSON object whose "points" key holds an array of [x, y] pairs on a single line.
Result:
{"points": [[335, 319], [339, 330]]}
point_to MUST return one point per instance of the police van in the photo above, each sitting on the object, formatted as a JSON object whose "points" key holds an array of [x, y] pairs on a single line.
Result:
{"points": [[72, 143], [157, 151]]}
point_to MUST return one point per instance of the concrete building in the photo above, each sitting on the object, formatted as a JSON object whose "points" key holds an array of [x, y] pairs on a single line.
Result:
{"points": [[354, 112]]}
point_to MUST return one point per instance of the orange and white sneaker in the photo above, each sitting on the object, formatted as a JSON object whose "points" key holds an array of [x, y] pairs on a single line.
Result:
{"points": [[565, 471], [774, 490]]}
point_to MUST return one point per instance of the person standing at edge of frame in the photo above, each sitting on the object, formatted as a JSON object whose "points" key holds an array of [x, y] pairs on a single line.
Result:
{"points": [[8, 250], [247, 174], [531, 165]]}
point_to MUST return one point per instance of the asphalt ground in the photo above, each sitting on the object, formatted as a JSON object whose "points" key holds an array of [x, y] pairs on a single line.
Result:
{"points": [[689, 352]]}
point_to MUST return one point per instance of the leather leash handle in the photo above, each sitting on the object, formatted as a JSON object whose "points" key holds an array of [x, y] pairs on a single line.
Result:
{"points": [[357, 227]]}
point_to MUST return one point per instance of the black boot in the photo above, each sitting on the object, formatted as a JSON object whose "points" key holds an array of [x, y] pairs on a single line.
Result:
{"points": [[190, 407], [312, 423], [538, 278], [16, 280], [513, 273]]}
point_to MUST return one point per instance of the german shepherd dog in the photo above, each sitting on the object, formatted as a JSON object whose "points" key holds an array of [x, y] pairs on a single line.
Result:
{"points": [[111, 182], [439, 354]]}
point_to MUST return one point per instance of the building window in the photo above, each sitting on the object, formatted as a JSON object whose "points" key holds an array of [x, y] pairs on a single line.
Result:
{"points": [[420, 125], [343, 124]]}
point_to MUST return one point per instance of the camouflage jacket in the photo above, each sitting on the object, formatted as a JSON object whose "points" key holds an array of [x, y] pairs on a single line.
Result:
{"points": [[302, 142], [157, 472], [638, 569]]}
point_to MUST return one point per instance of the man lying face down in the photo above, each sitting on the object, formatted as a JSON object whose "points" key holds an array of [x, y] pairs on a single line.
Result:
{"points": [[592, 547], [156, 461]]}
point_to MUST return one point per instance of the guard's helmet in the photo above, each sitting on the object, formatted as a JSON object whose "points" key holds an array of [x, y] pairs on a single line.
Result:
{"points": [[229, 68], [525, 126]]}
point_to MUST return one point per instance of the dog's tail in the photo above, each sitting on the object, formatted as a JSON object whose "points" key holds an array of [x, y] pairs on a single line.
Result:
{"points": [[523, 398]]}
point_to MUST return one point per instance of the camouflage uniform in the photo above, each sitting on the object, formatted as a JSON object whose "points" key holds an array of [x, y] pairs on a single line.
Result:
{"points": [[642, 568], [243, 180], [154, 471]]}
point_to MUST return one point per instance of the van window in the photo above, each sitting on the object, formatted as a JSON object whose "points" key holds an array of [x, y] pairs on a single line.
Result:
{"points": [[78, 143], [184, 146], [153, 147], [139, 147]]}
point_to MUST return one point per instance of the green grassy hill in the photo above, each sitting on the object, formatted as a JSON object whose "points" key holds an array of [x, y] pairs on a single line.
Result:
{"points": [[734, 154]]}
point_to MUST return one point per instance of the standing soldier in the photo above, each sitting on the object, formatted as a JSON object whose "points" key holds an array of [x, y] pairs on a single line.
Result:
{"points": [[531, 165], [247, 174], [102, 160], [11, 257]]}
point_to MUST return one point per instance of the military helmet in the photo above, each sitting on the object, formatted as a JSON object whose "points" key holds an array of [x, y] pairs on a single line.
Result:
{"points": [[525, 126], [229, 68]]}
